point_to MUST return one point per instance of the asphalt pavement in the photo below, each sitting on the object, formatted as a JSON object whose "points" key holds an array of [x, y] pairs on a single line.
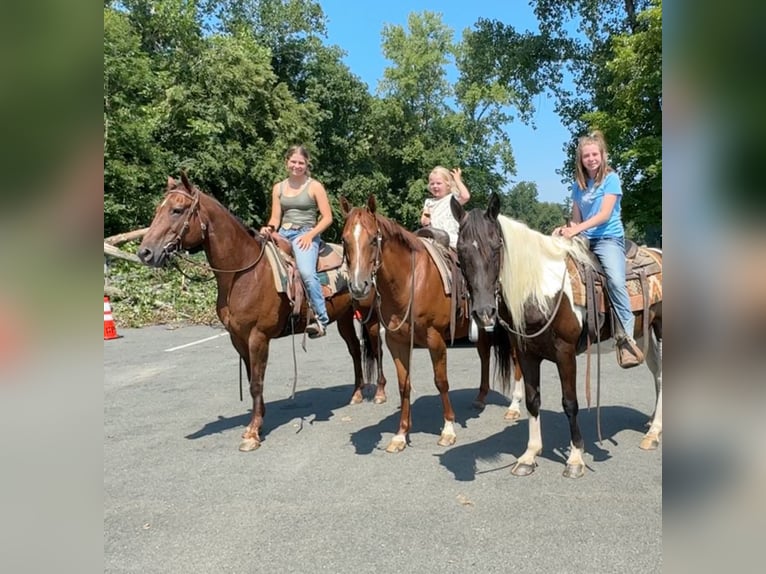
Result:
{"points": [[322, 495]]}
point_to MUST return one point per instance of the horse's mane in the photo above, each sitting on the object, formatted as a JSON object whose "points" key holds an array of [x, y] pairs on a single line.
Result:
{"points": [[395, 231], [246, 228], [529, 258]]}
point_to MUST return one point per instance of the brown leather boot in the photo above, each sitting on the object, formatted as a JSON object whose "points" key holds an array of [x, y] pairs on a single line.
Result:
{"points": [[628, 353]]}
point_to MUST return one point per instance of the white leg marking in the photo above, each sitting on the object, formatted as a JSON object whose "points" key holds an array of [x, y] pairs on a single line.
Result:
{"points": [[535, 444], [516, 397], [575, 456]]}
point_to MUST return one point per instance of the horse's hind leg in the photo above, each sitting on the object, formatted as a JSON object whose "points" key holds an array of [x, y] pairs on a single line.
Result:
{"points": [[651, 439], [348, 333]]}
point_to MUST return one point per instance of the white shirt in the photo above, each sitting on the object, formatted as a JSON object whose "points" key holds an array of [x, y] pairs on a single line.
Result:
{"points": [[441, 216]]}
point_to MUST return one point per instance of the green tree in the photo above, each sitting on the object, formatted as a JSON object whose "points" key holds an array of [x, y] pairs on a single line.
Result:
{"points": [[605, 74]]}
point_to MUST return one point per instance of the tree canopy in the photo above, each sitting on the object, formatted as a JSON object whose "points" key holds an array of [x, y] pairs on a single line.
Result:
{"points": [[223, 88]]}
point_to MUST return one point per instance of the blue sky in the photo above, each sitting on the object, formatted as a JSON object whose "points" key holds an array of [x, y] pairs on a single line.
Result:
{"points": [[356, 27]]}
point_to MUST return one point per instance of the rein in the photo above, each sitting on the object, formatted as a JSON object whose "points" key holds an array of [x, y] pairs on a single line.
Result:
{"points": [[376, 265], [544, 328]]}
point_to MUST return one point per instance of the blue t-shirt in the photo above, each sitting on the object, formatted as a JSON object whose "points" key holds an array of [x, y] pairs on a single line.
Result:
{"points": [[589, 201]]}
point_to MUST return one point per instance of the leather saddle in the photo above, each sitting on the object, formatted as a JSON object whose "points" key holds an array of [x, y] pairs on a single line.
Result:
{"points": [[643, 276], [330, 258], [446, 261]]}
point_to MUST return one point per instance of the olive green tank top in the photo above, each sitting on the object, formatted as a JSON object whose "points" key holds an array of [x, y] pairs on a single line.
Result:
{"points": [[299, 210]]}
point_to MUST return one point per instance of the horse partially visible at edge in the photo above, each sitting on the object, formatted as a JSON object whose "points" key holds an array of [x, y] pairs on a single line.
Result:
{"points": [[385, 258], [249, 305], [518, 277]]}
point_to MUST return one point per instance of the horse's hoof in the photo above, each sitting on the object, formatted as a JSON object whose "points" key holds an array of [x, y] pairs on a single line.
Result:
{"points": [[478, 405], [396, 445], [379, 399], [447, 440], [574, 471], [356, 398], [649, 443], [523, 469], [512, 415], [249, 444]]}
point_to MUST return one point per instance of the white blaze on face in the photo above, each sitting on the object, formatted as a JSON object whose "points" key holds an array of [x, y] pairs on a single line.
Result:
{"points": [[354, 273]]}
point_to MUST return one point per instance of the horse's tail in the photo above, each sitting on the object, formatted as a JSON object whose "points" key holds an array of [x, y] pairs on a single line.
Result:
{"points": [[501, 345]]}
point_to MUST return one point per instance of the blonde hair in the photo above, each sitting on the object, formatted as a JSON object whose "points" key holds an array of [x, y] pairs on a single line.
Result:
{"points": [[446, 175], [581, 177], [299, 149]]}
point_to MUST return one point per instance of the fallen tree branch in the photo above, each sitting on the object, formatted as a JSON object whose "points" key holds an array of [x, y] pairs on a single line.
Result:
{"points": [[121, 238], [113, 251]]}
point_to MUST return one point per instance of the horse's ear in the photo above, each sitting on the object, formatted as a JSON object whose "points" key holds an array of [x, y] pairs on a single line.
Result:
{"points": [[457, 209], [371, 203], [171, 183], [344, 206], [493, 209], [185, 181]]}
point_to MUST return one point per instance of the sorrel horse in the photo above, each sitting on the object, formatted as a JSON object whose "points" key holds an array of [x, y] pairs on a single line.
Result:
{"points": [[248, 304], [518, 278], [412, 305]]}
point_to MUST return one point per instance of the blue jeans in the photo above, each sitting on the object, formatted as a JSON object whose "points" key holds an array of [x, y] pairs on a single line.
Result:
{"points": [[611, 253], [306, 261]]}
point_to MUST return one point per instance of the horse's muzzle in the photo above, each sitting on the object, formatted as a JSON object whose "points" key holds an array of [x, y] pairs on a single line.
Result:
{"points": [[153, 258], [485, 318], [360, 290]]}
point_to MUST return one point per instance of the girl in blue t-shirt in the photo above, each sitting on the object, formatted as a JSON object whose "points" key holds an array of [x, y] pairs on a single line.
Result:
{"points": [[596, 197]]}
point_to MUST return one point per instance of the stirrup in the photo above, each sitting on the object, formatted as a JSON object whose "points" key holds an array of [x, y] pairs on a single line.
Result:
{"points": [[316, 330]]}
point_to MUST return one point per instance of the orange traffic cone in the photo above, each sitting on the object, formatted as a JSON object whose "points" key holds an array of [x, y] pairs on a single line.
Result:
{"points": [[110, 331]]}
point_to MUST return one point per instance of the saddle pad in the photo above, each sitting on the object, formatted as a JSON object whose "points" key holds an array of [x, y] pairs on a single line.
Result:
{"points": [[654, 283], [441, 263], [332, 281]]}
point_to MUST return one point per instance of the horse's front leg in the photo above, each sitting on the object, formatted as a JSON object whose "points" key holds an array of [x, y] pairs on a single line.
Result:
{"points": [[514, 410], [400, 351], [566, 363], [438, 349], [530, 369], [484, 348], [259, 354], [651, 439]]}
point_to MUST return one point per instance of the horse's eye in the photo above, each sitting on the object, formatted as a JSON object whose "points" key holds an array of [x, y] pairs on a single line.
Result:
{"points": [[177, 210]]}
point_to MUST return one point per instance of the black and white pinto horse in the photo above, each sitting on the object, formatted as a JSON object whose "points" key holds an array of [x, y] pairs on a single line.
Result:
{"points": [[518, 277]]}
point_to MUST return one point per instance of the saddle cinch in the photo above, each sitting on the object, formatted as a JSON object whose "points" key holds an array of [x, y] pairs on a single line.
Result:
{"points": [[643, 276], [330, 268]]}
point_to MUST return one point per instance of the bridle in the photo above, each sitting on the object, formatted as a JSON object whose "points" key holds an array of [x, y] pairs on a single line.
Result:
{"points": [[171, 248], [498, 300]]}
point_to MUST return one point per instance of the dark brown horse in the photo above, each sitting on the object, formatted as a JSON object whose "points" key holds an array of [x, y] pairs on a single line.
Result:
{"points": [[517, 277], [412, 305], [248, 305]]}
